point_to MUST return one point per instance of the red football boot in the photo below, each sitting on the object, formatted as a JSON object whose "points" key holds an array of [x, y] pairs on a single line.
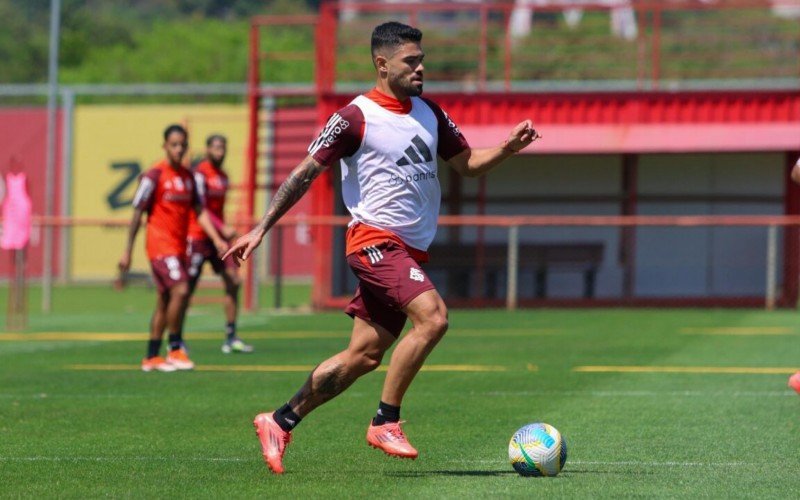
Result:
{"points": [[794, 382], [157, 363], [180, 359], [389, 437], [273, 440]]}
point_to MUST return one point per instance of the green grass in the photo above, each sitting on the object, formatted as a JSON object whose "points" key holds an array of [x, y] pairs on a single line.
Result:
{"points": [[73, 433], [101, 308]]}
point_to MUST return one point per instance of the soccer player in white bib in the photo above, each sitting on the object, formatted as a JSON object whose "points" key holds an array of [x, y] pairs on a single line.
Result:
{"points": [[386, 143]]}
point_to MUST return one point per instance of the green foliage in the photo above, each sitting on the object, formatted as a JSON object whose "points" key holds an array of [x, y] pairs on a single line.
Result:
{"points": [[288, 54], [129, 42], [207, 41], [23, 45], [192, 51]]}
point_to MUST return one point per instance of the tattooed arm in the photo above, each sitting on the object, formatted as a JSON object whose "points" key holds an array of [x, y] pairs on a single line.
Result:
{"points": [[289, 193]]}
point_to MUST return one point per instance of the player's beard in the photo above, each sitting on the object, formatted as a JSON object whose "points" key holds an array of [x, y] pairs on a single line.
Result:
{"points": [[408, 87]]}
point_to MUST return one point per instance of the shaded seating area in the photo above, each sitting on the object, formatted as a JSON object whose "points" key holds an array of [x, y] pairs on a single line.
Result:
{"points": [[471, 271]]}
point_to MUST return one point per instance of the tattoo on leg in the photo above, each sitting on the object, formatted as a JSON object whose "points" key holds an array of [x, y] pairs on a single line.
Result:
{"points": [[332, 382], [324, 383]]}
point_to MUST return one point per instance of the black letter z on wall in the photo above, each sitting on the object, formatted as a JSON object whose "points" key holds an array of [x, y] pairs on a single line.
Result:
{"points": [[114, 197]]}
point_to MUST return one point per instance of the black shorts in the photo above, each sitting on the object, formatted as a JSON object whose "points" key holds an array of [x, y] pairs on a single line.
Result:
{"points": [[200, 251]]}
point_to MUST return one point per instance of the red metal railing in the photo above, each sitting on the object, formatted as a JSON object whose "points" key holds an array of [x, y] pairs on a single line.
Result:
{"points": [[673, 42], [472, 45], [780, 290], [483, 220], [259, 31]]}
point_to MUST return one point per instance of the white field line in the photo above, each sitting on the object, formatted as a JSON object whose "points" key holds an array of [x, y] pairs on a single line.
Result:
{"points": [[469, 368], [738, 330], [734, 370], [634, 463], [287, 368], [273, 335], [33, 347], [589, 394], [319, 335], [643, 394], [256, 457], [44, 395], [123, 459], [630, 463]]}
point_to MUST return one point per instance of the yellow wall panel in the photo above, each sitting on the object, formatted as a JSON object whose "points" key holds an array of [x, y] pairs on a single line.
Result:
{"points": [[110, 142]]}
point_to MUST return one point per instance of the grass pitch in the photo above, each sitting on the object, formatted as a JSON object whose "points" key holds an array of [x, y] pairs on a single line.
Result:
{"points": [[655, 403]]}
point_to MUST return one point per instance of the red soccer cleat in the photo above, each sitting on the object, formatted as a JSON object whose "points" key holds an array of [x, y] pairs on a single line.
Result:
{"points": [[180, 360], [273, 441], [157, 363], [794, 382], [389, 437]]}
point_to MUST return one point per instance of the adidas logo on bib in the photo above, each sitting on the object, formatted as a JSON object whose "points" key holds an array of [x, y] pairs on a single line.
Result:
{"points": [[411, 153], [416, 275]]}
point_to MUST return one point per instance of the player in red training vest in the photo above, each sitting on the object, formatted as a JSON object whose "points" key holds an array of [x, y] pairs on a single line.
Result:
{"points": [[168, 194], [386, 143], [212, 188], [794, 380]]}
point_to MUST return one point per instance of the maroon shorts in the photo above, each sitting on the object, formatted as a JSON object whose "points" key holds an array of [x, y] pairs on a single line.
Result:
{"points": [[388, 279], [168, 271], [200, 251]]}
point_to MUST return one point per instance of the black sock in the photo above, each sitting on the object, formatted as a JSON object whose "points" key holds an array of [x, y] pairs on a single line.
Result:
{"points": [[286, 418], [175, 341], [230, 330], [386, 413], [153, 348]]}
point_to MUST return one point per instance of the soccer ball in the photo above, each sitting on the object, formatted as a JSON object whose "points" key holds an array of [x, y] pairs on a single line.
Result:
{"points": [[537, 450]]}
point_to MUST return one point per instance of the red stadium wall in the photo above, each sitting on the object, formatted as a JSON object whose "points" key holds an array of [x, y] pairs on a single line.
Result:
{"points": [[23, 132]]}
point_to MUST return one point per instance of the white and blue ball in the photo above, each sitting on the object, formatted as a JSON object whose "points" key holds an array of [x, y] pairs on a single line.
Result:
{"points": [[537, 450]]}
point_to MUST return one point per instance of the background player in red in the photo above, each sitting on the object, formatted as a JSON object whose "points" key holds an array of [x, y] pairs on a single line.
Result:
{"points": [[168, 194], [212, 188], [386, 143]]}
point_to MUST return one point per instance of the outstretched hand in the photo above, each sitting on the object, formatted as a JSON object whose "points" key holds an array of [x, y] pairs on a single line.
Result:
{"points": [[124, 263], [521, 136], [241, 249]]}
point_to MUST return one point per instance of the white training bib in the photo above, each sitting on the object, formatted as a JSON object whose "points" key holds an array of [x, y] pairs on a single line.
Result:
{"points": [[392, 181]]}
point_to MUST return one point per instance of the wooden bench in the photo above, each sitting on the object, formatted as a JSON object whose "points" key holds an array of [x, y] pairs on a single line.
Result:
{"points": [[460, 263]]}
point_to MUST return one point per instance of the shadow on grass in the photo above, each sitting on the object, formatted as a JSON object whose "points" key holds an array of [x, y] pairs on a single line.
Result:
{"points": [[464, 473], [606, 472], [498, 473]]}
